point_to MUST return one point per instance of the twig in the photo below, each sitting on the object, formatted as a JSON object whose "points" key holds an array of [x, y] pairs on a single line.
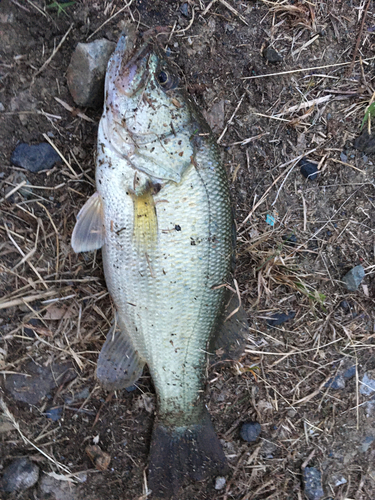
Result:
{"points": [[350, 69], [304, 69], [110, 18], [231, 118], [53, 53]]}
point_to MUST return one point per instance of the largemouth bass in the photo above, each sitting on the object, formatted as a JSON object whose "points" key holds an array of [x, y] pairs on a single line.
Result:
{"points": [[162, 217]]}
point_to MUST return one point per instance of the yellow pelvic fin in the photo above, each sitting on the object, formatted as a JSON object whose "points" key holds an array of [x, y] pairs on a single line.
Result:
{"points": [[145, 221]]}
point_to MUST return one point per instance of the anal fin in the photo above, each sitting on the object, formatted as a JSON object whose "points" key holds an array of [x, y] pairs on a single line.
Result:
{"points": [[119, 364]]}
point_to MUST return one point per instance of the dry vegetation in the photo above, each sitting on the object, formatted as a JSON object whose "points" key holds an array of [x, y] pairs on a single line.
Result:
{"points": [[311, 106]]}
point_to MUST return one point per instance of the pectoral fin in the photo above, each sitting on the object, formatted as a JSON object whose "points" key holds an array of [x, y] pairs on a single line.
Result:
{"points": [[145, 221], [230, 337], [88, 233], [119, 364]]}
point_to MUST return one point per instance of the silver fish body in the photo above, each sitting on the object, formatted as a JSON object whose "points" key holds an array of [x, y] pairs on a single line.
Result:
{"points": [[162, 216]]}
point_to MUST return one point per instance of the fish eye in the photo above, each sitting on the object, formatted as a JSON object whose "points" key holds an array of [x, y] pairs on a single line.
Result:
{"points": [[163, 78], [167, 80]]}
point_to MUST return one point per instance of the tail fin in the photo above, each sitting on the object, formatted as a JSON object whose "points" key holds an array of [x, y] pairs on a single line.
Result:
{"points": [[180, 454]]}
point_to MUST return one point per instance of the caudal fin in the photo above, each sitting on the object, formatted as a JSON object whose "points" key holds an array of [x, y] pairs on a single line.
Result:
{"points": [[181, 454]]}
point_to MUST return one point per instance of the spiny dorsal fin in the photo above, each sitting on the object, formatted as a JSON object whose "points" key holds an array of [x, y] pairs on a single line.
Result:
{"points": [[88, 233]]}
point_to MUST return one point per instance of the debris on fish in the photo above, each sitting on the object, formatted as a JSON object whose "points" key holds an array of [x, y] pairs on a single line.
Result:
{"points": [[162, 216]]}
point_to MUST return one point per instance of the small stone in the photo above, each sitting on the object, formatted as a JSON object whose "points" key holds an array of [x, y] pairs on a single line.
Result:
{"points": [[39, 383], [345, 306], [308, 169], [272, 55], [54, 413], [337, 382], [368, 384], [337, 480], [2, 108], [184, 9], [349, 372], [312, 479], [220, 483], [279, 318], [343, 156], [19, 475], [353, 278], [365, 142], [290, 239], [53, 489], [86, 72], [366, 443], [250, 431], [5, 424], [35, 157]]}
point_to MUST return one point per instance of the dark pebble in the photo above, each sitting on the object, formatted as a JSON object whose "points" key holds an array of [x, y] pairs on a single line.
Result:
{"points": [[290, 239], [272, 55], [365, 142], [250, 431], [349, 372], [336, 383], [19, 475], [308, 169], [184, 9], [132, 388], [40, 382], [30, 332], [35, 157], [329, 234], [345, 306], [312, 479], [54, 413], [279, 318]]}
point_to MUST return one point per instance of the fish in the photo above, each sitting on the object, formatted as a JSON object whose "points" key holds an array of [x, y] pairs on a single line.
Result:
{"points": [[162, 216]]}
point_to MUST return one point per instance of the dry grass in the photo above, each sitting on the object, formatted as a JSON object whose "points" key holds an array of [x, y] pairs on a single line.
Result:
{"points": [[308, 107]]}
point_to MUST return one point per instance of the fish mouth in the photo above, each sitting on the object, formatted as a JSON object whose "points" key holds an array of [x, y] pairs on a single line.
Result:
{"points": [[130, 69]]}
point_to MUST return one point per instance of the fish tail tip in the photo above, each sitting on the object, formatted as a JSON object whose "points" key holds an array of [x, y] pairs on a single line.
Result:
{"points": [[183, 454]]}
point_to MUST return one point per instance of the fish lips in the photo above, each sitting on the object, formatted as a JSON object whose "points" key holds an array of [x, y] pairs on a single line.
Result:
{"points": [[128, 69]]}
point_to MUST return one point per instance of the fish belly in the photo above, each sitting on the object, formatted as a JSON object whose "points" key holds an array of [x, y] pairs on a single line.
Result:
{"points": [[166, 288]]}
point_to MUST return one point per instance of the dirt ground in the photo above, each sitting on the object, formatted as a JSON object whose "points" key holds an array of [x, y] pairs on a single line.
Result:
{"points": [[55, 307]]}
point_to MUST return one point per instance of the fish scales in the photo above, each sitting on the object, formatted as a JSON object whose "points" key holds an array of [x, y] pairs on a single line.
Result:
{"points": [[165, 296], [162, 217]]}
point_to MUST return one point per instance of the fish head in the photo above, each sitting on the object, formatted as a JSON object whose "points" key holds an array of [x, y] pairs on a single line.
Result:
{"points": [[147, 116]]}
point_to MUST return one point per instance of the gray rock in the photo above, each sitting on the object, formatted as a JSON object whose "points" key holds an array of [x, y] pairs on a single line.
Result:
{"points": [[354, 278], [53, 489], [368, 384], [272, 55], [335, 383], [35, 157], [343, 156], [312, 479], [366, 443], [86, 72], [19, 475], [337, 480], [349, 372], [365, 142], [41, 381], [2, 108], [250, 431], [220, 483]]}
